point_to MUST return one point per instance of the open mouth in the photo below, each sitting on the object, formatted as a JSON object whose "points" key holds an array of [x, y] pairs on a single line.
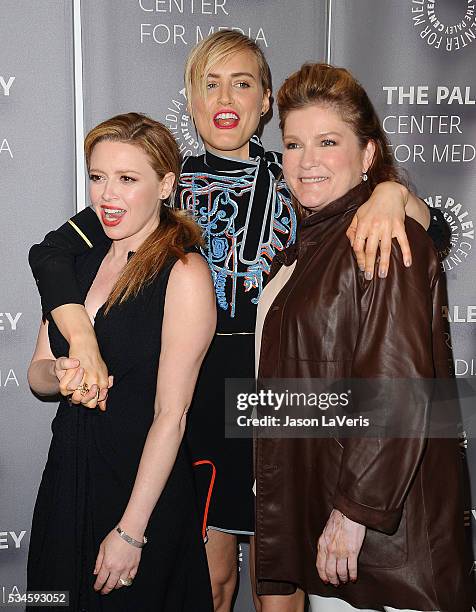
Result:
{"points": [[112, 216], [225, 120], [313, 179]]}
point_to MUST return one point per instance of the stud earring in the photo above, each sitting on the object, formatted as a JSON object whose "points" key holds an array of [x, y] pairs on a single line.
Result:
{"points": [[364, 176]]}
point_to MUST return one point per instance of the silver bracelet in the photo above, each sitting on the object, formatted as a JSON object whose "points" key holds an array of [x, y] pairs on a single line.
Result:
{"points": [[130, 540]]}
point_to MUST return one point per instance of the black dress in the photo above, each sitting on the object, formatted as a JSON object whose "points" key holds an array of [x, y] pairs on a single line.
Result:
{"points": [[91, 468], [246, 214]]}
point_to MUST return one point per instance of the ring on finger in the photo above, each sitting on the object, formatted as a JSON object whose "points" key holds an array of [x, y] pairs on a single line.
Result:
{"points": [[361, 238], [83, 388], [126, 581]]}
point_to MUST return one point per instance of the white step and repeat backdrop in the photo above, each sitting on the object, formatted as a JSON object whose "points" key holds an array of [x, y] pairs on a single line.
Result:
{"points": [[415, 57]]}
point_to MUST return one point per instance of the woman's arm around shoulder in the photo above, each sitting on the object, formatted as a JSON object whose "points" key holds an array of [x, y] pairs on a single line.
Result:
{"points": [[52, 260], [52, 263]]}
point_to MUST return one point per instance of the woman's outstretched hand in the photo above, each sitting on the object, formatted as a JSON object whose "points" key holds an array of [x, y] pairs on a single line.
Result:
{"points": [[116, 559], [374, 225], [338, 549]]}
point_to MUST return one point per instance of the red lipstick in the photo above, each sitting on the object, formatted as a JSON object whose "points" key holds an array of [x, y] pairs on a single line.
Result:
{"points": [[226, 119], [112, 216]]}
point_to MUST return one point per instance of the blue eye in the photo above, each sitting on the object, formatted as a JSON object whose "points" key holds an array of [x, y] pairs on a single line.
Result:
{"points": [[328, 142], [242, 84]]}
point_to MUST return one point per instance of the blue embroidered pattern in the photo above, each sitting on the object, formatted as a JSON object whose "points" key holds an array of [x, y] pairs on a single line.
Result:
{"points": [[213, 200]]}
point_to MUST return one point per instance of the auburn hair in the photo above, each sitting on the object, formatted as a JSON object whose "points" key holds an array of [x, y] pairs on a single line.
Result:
{"points": [[176, 232], [322, 84], [214, 49]]}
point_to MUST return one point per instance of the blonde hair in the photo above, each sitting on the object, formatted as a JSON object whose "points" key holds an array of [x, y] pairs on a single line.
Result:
{"points": [[214, 49], [177, 232]]}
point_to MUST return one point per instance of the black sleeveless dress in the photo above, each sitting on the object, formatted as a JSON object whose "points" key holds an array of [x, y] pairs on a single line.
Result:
{"points": [[91, 468]]}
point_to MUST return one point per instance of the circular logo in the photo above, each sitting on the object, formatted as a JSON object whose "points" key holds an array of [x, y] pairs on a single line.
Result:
{"points": [[462, 230], [182, 127], [447, 26]]}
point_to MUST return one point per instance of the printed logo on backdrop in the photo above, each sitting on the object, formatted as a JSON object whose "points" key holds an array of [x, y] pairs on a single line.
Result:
{"points": [[459, 314], [455, 315], [189, 32], [462, 230], [444, 126], [449, 26], [9, 321], [463, 367], [6, 83], [181, 125], [8, 378], [11, 539]]}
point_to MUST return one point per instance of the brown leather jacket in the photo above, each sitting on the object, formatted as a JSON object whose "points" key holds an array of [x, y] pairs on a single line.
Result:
{"points": [[329, 322]]}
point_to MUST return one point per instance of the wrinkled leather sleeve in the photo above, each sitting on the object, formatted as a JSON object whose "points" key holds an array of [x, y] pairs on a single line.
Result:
{"points": [[395, 341], [52, 260]]}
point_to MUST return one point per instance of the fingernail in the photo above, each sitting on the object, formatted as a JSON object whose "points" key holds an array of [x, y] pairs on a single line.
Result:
{"points": [[362, 268], [382, 273], [408, 263], [368, 276]]}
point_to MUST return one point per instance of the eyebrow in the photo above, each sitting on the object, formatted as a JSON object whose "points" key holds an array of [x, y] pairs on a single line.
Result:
{"points": [[331, 133], [117, 171], [213, 75], [317, 136]]}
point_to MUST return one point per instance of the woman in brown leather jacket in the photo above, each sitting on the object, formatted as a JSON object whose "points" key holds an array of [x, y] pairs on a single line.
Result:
{"points": [[366, 522]]}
